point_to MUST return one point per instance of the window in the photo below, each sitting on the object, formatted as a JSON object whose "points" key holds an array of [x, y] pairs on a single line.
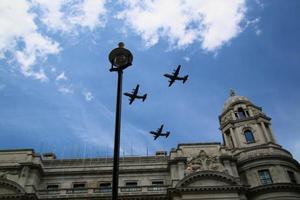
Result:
{"points": [[157, 182], [241, 113], [265, 177], [131, 184], [249, 136], [292, 177], [105, 187], [78, 185], [52, 187]]}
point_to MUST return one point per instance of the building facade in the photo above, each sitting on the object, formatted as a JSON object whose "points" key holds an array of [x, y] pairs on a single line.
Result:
{"points": [[248, 165]]}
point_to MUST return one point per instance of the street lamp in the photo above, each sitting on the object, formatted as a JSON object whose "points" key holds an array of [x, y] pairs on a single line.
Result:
{"points": [[120, 58]]}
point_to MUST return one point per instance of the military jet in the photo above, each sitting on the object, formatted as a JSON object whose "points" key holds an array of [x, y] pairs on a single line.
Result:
{"points": [[174, 76], [134, 95], [159, 132]]}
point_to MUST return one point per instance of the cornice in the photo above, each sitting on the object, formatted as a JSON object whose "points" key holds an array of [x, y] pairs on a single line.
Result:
{"points": [[276, 187], [256, 117], [264, 157]]}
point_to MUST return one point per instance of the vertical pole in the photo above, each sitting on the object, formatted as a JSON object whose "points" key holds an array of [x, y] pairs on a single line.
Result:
{"points": [[115, 178]]}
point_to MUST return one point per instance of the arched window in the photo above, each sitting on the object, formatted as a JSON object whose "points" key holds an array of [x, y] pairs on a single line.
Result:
{"points": [[249, 136], [241, 113]]}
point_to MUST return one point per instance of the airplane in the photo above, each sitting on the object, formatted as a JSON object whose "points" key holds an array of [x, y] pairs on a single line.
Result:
{"points": [[134, 95], [159, 132], [174, 76]]}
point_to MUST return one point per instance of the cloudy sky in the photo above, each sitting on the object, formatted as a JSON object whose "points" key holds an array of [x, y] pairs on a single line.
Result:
{"points": [[56, 93]]}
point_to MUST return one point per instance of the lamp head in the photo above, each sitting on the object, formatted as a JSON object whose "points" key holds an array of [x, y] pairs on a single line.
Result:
{"points": [[120, 58]]}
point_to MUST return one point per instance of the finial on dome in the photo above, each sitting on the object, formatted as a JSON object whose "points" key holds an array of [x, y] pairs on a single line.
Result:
{"points": [[121, 44], [232, 92]]}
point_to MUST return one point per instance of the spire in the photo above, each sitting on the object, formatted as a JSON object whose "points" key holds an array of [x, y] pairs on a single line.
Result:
{"points": [[232, 92]]}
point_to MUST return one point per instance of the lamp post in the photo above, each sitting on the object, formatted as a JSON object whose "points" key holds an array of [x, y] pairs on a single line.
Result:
{"points": [[120, 58]]}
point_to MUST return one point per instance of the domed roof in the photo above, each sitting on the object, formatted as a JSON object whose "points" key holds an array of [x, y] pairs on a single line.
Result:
{"points": [[233, 98]]}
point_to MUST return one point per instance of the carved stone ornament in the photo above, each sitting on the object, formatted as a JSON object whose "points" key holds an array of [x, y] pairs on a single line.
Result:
{"points": [[3, 174], [203, 162]]}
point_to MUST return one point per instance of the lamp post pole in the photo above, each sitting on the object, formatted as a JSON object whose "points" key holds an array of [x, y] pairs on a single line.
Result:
{"points": [[115, 179], [120, 58]]}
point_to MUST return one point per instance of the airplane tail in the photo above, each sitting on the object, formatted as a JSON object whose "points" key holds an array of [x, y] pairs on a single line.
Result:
{"points": [[168, 133], [185, 78], [144, 97]]}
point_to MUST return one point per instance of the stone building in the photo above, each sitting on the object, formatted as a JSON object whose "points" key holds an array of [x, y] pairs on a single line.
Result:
{"points": [[248, 165]]}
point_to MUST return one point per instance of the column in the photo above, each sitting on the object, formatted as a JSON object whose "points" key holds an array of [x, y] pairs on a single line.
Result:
{"points": [[236, 144], [265, 132]]}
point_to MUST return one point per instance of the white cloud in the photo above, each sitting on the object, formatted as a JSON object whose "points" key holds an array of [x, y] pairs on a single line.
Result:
{"points": [[17, 25], [67, 15], [61, 76], [66, 89], [183, 22], [88, 96], [24, 39], [186, 58]]}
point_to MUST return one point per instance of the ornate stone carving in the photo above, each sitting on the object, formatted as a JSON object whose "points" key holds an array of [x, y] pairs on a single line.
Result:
{"points": [[3, 174], [204, 162]]}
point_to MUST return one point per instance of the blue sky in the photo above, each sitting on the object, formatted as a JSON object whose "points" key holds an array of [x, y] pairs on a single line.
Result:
{"points": [[58, 95]]}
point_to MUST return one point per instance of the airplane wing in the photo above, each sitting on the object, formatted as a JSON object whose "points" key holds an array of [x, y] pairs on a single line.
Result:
{"points": [[171, 81], [160, 129], [177, 71], [131, 99], [136, 90], [156, 136]]}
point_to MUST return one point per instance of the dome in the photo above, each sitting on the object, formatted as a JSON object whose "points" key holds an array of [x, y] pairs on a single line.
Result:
{"points": [[232, 99]]}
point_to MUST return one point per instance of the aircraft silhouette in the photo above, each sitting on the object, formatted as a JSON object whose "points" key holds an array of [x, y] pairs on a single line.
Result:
{"points": [[174, 76], [159, 132], [134, 95]]}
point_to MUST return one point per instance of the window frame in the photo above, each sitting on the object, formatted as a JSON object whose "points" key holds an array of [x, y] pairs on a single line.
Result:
{"points": [[250, 140], [241, 113], [292, 176], [52, 184], [265, 176], [84, 183], [131, 181], [155, 184]]}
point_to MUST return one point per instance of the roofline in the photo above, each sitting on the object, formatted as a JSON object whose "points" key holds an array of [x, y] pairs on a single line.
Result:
{"points": [[14, 150], [199, 143]]}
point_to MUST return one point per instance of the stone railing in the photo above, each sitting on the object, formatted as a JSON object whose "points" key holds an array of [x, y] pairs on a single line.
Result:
{"points": [[105, 191]]}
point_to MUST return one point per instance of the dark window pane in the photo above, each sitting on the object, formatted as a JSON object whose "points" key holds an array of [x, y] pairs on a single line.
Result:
{"points": [[265, 177], [249, 137], [292, 176], [132, 183], [78, 185], [157, 182], [105, 185], [241, 113], [52, 187]]}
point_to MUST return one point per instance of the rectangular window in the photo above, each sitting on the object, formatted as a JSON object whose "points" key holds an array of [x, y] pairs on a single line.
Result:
{"points": [[249, 137], [265, 177], [78, 185], [52, 187], [131, 184], [105, 187], [157, 182], [292, 177]]}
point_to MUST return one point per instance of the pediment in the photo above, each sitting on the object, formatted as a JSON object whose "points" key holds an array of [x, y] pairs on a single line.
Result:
{"points": [[207, 178], [8, 187]]}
